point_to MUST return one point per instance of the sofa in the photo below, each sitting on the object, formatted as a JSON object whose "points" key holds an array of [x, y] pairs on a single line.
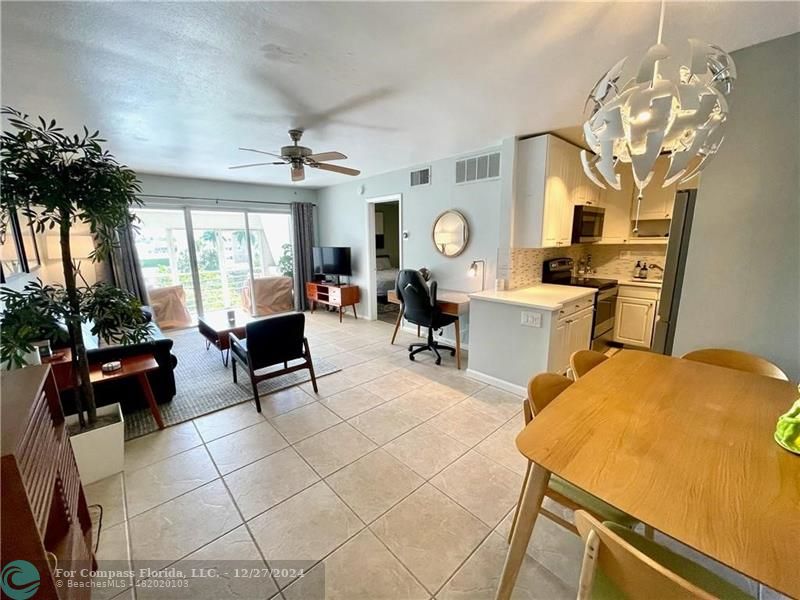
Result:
{"points": [[162, 380]]}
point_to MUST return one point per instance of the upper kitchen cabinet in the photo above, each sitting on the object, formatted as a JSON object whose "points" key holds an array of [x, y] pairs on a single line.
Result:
{"points": [[549, 181], [617, 224], [657, 201]]}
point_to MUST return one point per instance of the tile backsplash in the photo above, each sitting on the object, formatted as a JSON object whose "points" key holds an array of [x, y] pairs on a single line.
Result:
{"points": [[611, 261]]}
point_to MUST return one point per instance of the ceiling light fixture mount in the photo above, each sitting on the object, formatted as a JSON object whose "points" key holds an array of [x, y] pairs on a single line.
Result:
{"points": [[682, 116]]}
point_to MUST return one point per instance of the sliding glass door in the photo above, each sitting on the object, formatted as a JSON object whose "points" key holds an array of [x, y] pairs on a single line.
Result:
{"points": [[163, 249], [213, 254], [223, 257]]}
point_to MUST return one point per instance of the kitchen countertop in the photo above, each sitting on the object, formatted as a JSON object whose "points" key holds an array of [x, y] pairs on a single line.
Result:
{"points": [[648, 283], [545, 296]]}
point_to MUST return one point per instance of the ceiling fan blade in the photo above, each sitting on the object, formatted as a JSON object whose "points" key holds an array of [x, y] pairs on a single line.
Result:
{"points": [[256, 165], [322, 156], [298, 174], [337, 169], [261, 152]]}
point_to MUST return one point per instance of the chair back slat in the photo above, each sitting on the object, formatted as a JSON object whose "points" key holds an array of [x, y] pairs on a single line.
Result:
{"points": [[543, 388], [736, 359], [584, 361], [634, 573], [275, 340]]}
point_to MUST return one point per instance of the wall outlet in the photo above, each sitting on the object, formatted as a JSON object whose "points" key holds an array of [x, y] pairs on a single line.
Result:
{"points": [[531, 319]]}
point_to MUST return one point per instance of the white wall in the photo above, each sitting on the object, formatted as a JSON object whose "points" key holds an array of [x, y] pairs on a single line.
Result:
{"points": [[342, 218], [742, 284]]}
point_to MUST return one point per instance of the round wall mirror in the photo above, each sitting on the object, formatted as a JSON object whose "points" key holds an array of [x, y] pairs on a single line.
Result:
{"points": [[450, 233]]}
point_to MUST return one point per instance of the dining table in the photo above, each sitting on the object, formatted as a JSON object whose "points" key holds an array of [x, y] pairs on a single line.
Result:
{"points": [[686, 448]]}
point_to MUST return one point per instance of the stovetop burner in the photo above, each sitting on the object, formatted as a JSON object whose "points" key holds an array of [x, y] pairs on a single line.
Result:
{"points": [[592, 282], [559, 271]]}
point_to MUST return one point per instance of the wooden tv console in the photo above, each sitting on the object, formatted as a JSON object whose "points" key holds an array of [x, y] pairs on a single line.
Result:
{"points": [[331, 294]]}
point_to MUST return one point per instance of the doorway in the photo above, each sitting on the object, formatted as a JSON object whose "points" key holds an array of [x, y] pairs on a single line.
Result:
{"points": [[385, 254]]}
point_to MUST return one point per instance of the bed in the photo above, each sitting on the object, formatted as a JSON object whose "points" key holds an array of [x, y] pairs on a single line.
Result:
{"points": [[385, 275]]}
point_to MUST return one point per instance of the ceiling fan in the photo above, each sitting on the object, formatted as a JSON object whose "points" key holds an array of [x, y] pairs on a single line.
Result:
{"points": [[299, 157]]}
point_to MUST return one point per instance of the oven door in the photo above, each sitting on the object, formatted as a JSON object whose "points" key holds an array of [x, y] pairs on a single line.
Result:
{"points": [[605, 312], [587, 224]]}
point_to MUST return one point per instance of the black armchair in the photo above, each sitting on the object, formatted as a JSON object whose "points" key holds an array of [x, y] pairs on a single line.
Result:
{"points": [[420, 308], [269, 342]]}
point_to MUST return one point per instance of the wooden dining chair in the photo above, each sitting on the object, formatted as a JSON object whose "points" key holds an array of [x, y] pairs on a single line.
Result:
{"points": [[620, 563], [583, 361], [542, 390], [736, 359]]}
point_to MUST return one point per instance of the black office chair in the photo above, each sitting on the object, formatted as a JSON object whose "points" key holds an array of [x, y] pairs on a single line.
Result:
{"points": [[270, 342], [419, 308]]}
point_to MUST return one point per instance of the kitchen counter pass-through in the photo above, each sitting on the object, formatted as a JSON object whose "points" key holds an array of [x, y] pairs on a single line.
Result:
{"points": [[519, 332]]}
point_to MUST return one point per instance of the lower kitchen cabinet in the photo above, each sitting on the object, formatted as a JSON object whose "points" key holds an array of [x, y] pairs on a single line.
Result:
{"points": [[635, 316], [571, 333]]}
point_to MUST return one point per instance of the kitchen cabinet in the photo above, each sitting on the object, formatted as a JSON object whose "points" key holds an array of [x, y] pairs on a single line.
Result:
{"points": [[570, 334], [582, 189], [635, 316], [657, 201], [549, 182], [617, 203]]}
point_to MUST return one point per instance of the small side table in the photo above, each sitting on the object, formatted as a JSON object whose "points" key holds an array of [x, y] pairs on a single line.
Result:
{"points": [[137, 366]]}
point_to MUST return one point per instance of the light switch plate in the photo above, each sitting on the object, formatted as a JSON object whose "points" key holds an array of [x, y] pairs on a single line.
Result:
{"points": [[531, 319]]}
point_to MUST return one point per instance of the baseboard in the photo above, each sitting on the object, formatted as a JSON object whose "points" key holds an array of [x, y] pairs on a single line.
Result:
{"points": [[412, 329], [498, 383]]}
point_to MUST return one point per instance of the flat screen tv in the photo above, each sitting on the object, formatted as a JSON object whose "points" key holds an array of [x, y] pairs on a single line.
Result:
{"points": [[332, 260]]}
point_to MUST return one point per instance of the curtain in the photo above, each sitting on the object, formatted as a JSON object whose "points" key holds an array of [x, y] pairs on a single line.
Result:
{"points": [[303, 234], [126, 272]]}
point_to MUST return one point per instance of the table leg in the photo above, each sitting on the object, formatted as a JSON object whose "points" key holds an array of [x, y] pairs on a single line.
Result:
{"points": [[151, 400], [225, 355], [458, 343], [355, 315], [397, 323], [340, 313], [532, 498]]}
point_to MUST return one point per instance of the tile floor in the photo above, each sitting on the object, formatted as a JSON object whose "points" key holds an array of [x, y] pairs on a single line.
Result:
{"points": [[395, 481]]}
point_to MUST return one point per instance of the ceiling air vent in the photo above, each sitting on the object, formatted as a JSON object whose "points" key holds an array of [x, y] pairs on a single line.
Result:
{"points": [[478, 168], [421, 177]]}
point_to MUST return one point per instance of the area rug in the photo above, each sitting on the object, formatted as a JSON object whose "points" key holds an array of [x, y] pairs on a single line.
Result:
{"points": [[204, 385]]}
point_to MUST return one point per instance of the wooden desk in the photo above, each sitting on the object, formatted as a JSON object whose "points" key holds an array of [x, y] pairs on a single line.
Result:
{"points": [[684, 447], [450, 303], [132, 366]]}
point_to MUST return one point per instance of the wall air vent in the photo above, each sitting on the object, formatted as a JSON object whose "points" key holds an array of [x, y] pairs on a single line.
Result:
{"points": [[478, 168], [421, 177]]}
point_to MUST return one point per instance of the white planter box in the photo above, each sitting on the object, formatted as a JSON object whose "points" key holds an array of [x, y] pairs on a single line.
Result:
{"points": [[99, 453]]}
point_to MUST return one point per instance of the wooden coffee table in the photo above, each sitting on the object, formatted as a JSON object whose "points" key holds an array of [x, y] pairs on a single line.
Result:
{"points": [[216, 327]]}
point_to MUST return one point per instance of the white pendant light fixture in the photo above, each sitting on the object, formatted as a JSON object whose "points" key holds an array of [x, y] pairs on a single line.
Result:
{"points": [[679, 114]]}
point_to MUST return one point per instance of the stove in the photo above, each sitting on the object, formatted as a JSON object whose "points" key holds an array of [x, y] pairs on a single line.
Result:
{"points": [[559, 271], [590, 282]]}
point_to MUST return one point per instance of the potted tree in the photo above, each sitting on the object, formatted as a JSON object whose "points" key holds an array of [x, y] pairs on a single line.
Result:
{"points": [[58, 180]]}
